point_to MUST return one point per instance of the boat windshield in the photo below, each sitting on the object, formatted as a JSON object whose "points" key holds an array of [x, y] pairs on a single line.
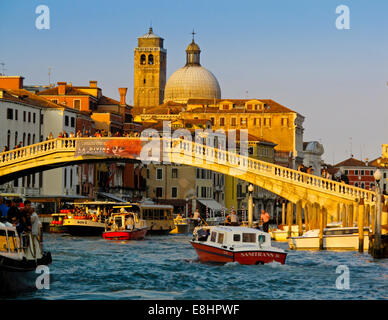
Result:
{"points": [[213, 237]]}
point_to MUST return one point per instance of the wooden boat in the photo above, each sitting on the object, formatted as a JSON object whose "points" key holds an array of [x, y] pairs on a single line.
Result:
{"points": [[340, 238], [56, 224], [20, 255], [281, 233], [221, 244], [182, 226], [125, 226]]}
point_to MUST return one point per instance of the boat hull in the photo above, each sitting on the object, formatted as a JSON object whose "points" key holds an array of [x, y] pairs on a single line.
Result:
{"points": [[137, 234], [19, 275], [82, 227], [208, 253], [330, 242], [75, 230], [57, 229], [181, 229]]}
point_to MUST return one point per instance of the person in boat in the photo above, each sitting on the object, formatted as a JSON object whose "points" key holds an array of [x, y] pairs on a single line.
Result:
{"points": [[130, 222], [4, 207], [179, 216], [14, 210], [196, 217], [234, 221], [265, 220]]}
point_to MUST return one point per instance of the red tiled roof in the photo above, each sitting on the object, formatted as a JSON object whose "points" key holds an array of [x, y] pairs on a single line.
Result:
{"points": [[69, 90], [28, 97], [108, 101], [351, 162]]}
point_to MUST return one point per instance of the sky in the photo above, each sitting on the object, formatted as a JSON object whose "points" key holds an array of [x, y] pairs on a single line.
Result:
{"points": [[288, 51]]}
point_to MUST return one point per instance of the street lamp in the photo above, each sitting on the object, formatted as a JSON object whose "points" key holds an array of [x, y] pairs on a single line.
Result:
{"points": [[250, 206]]}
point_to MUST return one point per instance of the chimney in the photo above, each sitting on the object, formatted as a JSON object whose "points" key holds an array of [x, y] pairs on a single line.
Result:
{"points": [[11, 82], [123, 93], [93, 84], [61, 88]]}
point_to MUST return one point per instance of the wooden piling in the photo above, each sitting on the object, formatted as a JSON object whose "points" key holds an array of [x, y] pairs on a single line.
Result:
{"points": [[353, 209], [306, 217], [360, 224], [283, 213], [290, 209], [321, 219], [344, 214], [384, 218], [373, 219], [299, 217]]}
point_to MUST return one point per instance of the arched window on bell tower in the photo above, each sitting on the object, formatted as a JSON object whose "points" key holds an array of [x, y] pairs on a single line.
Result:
{"points": [[150, 59], [142, 59]]}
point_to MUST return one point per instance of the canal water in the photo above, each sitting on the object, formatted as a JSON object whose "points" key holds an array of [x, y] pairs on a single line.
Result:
{"points": [[166, 267]]}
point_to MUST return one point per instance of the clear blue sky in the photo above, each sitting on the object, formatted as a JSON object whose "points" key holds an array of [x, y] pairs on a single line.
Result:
{"points": [[289, 51]]}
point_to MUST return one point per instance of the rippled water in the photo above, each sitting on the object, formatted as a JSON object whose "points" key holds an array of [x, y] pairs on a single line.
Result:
{"points": [[166, 267]]}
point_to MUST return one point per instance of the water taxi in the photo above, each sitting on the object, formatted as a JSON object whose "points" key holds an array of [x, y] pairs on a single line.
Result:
{"points": [[182, 225], [334, 238], [20, 255], [125, 226], [223, 244], [56, 224]]}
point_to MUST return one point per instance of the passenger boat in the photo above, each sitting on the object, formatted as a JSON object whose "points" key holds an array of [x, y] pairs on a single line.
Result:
{"points": [[56, 224], [182, 226], [20, 255], [125, 226], [223, 244], [91, 222], [159, 218], [337, 238]]}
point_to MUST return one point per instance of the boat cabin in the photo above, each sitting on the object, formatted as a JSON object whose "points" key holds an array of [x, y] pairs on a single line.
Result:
{"points": [[9, 239], [236, 236]]}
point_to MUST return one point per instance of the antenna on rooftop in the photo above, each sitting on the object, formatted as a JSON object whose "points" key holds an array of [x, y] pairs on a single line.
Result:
{"points": [[49, 74], [2, 68]]}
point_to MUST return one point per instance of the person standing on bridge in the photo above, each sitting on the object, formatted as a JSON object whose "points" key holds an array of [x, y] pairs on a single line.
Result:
{"points": [[265, 220]]}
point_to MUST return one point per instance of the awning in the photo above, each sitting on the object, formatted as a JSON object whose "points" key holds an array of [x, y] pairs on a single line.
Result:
{"points": [[211, 204], [111, 196]]}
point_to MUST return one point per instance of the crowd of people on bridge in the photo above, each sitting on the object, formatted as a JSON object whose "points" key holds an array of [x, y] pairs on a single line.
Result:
{"points": [[339, 177]]}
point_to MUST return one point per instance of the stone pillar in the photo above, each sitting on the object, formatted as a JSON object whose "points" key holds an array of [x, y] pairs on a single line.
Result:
{"points": [[283, 213]]}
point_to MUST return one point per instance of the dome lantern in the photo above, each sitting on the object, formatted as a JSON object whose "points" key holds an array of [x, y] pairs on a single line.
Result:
{"points": [[192, 53]]}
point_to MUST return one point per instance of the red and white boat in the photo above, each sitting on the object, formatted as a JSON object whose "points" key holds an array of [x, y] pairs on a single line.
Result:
{"points": [[235, 244], [125, 226]]}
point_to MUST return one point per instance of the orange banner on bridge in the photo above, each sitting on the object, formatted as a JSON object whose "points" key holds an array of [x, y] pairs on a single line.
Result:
{"points": [[123, 148]]}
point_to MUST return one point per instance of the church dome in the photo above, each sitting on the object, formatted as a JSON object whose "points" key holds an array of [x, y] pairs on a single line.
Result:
{"points": [[192, 81]]}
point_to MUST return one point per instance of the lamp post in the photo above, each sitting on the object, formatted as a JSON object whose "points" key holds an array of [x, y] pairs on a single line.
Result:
{"points": [[250, 206], [377, 235]]}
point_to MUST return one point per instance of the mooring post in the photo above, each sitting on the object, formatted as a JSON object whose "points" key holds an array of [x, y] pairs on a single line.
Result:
{"points": [[290, 207], [321, 219], [283, 213], [360, 223], [299, 217], [384, 218], [306, 217]]}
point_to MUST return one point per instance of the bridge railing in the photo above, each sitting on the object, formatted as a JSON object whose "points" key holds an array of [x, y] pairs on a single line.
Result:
{"points": [[199, 152], [255, 166], [37, 149]]}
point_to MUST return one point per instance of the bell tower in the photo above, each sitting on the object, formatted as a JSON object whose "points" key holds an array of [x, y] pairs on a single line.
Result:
{"points": [[150, 70]]}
